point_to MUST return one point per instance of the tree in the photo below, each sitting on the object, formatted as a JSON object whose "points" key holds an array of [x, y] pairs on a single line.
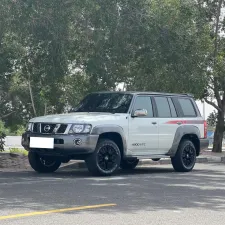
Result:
{"points": [[54, 52], [212, 119], [174, 56], [214, 93], [2, 136]]}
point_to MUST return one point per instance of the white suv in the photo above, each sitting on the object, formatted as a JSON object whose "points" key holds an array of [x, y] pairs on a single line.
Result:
{"points": [[111, 130]]}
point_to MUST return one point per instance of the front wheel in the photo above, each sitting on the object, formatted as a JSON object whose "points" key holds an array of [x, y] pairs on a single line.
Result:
{"points": [[185, 158], [129, 164], [106, 158], [43, 164]]}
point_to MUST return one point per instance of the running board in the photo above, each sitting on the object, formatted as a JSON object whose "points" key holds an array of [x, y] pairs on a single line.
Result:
{"points": [[149, 156]]}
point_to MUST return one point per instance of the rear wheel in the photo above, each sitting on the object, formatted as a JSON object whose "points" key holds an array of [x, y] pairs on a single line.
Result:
{"points": [[106, 158], [129, 164], [43, 164], [185, 158]]}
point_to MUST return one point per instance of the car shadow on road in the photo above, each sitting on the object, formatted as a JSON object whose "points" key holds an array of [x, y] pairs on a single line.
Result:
{"points": [[146, 188]]}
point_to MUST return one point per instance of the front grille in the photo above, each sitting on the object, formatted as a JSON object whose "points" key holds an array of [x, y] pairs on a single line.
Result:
{"points": [[36, 128], [49, 128], [62, 128]]}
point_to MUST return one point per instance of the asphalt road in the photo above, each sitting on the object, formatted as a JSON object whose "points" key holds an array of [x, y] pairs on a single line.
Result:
{"points": [[152, 195]]}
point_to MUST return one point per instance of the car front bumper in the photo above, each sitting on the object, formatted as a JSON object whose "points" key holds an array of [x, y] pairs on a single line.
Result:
{"points": [[64, 145]]}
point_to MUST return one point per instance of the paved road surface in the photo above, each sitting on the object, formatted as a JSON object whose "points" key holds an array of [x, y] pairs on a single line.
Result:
{"points": [[152, 195]]}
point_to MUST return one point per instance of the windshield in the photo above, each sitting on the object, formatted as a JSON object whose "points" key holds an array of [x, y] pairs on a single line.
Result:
{"points": [[105, 102]]}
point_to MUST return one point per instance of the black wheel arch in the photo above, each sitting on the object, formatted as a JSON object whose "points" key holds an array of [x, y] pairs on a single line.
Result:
{"points": [[188, 132], [114, 133]]}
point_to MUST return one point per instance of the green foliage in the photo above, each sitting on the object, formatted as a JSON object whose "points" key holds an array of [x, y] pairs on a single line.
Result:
{"points": [[20, 130], [212, 119], [54, 52], [19, 151], [3, 132]]}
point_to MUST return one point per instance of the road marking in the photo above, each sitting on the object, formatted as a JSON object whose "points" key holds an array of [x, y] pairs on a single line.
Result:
{"points": [[55, 211]]}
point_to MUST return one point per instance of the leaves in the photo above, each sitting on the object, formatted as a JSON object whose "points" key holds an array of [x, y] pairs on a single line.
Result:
{"points": [[212, 119], [54, 52], [2, 136]]}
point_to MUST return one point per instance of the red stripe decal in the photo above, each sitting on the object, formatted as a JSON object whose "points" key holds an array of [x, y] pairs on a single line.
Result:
{"points": [[185, 121]]}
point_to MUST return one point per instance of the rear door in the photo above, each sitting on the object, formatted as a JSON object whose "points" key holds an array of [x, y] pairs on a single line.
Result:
{"points": [[183, 111], [167, 122]]}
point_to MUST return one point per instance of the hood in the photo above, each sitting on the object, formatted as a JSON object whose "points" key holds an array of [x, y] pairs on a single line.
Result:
{"points": [[79, 118]]}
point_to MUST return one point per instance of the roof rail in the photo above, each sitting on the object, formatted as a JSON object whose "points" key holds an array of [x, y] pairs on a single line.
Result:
{"points": [[189, 94]]}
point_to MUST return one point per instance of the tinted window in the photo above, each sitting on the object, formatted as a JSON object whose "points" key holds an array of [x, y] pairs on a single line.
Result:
{"points": [[172, 108], [163, 107], [105, 102], [187, 107], [144, 102]]}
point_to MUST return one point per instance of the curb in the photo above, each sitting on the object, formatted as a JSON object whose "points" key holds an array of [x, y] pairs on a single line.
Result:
{"points": [[146, 162]]}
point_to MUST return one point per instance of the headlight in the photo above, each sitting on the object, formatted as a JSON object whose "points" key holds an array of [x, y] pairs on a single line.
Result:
{"points": [[29, 126], [80, 129]]}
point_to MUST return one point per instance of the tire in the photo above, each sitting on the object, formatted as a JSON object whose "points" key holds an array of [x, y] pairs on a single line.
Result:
{"points": [[105, 160], [43, 164], [185, 158], [129, 164]]}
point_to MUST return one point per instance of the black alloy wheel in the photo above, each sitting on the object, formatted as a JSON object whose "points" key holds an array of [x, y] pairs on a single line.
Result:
{"points": [[106, 158], [188, 155], [43, 164], [185, 157]]}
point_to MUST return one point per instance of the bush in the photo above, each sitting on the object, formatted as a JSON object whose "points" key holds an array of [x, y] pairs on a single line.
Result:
{"points": [[20, 151], [3, 132], [20, 130], [2, 141]]}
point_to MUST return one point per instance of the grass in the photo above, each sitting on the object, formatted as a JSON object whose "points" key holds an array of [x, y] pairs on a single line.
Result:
{"points": [[17, 150]]}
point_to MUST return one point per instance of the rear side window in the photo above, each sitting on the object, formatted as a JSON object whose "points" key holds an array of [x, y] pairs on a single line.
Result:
{"points": [[163, 107], [187, 107], [172, 108]]}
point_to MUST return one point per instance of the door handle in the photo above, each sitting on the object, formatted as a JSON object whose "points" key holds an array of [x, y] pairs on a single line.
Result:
{"points": [[179, 123], [154, 123]]}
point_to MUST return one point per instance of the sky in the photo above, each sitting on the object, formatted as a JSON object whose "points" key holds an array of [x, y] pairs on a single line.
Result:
{"points": [[208, 108]]}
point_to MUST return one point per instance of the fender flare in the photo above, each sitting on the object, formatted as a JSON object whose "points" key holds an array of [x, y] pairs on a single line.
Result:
{"points": [[101, 129], [181, 131]]}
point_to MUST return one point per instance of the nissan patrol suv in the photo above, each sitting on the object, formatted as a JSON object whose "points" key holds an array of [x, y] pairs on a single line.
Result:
{"points": [[112, 130]]}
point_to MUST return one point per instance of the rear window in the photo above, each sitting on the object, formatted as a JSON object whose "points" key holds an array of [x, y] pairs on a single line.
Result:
{"points": [[162, 107], [187, 107], [172, 108]]}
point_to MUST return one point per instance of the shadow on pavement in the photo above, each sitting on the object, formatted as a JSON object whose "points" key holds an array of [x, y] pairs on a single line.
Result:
{"points": [[145, 189]]}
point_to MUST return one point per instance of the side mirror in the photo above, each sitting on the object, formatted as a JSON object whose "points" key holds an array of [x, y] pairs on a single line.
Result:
{"points": [[140, 113]]}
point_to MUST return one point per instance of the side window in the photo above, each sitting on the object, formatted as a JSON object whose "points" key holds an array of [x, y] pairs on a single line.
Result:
{"points": [[162, 107], [172, 108], [144, 102], [187, 107]]}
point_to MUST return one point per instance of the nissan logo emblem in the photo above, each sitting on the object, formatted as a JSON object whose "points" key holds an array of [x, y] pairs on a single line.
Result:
{"points": [[47, 128]]}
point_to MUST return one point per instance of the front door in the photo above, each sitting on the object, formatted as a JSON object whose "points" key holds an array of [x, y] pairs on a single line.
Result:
{"points": [[143, 131]]}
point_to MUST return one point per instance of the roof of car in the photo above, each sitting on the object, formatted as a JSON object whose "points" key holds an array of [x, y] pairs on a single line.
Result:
{"points": [[147, 93]]}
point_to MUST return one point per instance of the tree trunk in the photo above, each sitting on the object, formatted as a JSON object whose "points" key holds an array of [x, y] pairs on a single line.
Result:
{"points": [[32, 98], [218, 135]]}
